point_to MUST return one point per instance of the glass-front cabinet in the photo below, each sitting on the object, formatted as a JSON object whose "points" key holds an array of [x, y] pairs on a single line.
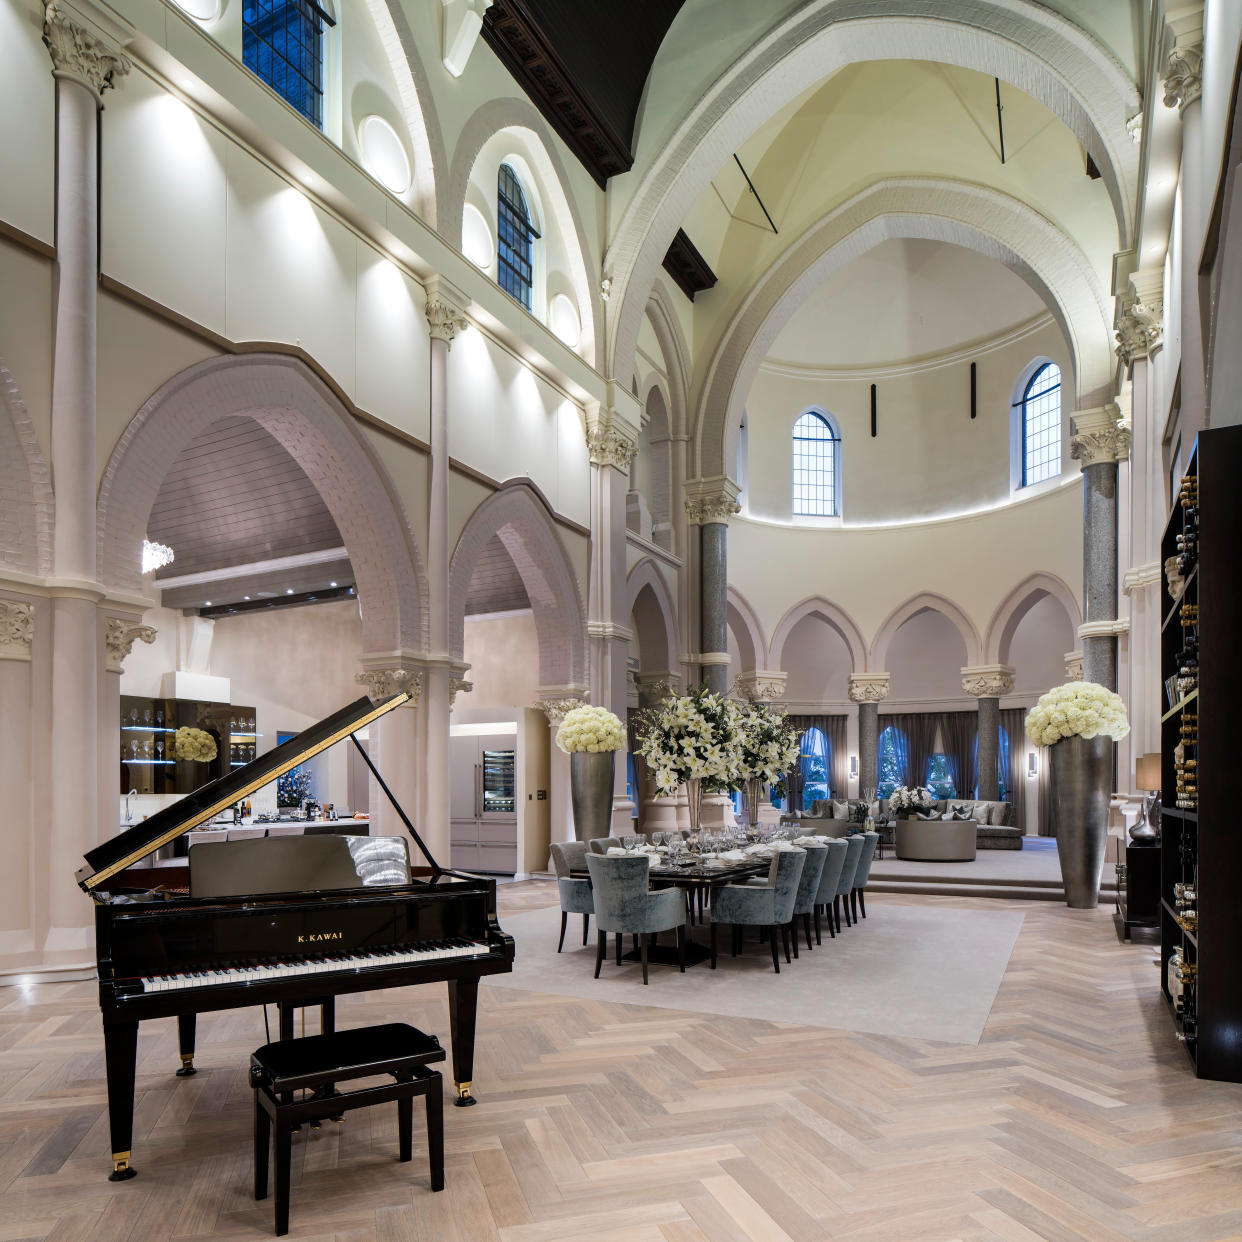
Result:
{"points": [[499, 785], [173, 746]]}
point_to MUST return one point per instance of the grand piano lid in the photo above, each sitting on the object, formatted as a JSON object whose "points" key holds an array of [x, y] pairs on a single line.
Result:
{"points": [[196, 808]]}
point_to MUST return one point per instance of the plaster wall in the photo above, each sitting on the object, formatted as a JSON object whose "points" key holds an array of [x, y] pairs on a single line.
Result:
{"points": [[503, 654], [26, 332], [925, 659], [818, 662], [1037, 649], [27, 123]]}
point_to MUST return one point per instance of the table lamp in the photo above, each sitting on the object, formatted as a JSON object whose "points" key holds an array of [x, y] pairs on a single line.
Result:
{"points": [[1146, 829]]}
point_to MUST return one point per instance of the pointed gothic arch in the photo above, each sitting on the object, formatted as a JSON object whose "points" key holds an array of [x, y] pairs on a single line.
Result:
{"points": [[930, 601]]}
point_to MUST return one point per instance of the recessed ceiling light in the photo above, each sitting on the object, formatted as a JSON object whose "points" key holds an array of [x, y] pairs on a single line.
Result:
{"points": [[332, 584], [288, 590], [245, 597], [207, 604]]}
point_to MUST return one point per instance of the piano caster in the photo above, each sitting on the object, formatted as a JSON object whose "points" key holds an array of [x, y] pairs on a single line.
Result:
{"points": [[187, 1069], [464, 1098], [121, 1170]]}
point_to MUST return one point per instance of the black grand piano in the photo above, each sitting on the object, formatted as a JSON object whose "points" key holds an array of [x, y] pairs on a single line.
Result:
{"points": [[293, 920]]}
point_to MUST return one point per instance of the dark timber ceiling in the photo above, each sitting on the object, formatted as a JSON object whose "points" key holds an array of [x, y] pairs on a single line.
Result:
{"points": [[584, 64]]}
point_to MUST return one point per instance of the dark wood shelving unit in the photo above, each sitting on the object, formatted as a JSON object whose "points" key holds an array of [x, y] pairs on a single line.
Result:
{"points": [[1201, 844]]}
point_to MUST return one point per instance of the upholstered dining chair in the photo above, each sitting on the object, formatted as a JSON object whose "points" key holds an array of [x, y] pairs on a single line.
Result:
{"points": [[601, 845], [830, 878], [769, 905], [845, 885], [858, 899], [575, 893], [808, 890], [625, 905]]}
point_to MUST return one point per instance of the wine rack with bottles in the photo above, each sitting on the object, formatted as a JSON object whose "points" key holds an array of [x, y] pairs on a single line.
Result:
{"points": [[1201, 836], [150, 761]]}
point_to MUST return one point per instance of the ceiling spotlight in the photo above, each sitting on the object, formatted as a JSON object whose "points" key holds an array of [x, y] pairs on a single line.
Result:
{"points": [[288, 590], [332, 584], [207, 603], [245, 597]]}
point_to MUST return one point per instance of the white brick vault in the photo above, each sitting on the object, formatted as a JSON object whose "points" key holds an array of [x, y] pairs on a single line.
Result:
{"points": [[26, 507], [521, 517], [284, 396]]}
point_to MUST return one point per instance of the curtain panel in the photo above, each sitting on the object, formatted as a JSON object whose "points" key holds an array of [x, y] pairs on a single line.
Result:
{"points": [[1013, 721], [918, 732], [839, 758], [959, 730], [833, 728]]}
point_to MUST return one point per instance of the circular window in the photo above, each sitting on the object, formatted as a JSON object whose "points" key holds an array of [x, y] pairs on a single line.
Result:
{"points": [[476, 238], [200, 10], [383, 154], [564, 322]]}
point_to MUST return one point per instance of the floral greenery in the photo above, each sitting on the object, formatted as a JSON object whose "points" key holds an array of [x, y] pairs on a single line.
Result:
{"points": [[196, 745], [770, 746], [293, 788], [588, 728], [920, 798], [695, 736], [1077, 709]]}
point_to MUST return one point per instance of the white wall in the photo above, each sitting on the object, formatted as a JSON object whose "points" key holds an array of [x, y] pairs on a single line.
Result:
{"points": [[1039, 645], [925, 659], [503, 654], [818, 662]]}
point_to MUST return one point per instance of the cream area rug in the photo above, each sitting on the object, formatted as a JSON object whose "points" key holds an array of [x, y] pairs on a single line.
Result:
{"points": [[904, 971]]}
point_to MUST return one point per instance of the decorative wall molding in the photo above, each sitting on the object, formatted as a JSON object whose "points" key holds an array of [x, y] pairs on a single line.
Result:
{"points": [[383, 683], [1139, 330], [1073, 666], [1140, 576], [708, 658], [1104, 629], [16, 629], [988, 681], [611, 440], [78, 55], [609, 629], [868, 687], [711, 500], [1183, 74], [119, 639], [690, 271], [1099, 436], [762, 684]]}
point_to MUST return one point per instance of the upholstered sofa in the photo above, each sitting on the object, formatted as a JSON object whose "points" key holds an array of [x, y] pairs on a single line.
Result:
{"points": [[993, 820]]}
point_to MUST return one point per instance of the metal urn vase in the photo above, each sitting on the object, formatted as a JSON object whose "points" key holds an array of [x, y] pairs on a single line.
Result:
{"points": [[590, 792], [1082, 782], [694, 799]]}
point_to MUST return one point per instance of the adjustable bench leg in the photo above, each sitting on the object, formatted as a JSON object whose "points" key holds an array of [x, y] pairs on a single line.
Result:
{"points": [[435, 1132], [262, 1145], [283, 1145], [405, 1127]]}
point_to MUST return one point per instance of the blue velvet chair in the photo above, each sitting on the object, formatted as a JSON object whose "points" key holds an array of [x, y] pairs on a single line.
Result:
{"points": [[845, 885], [768, 905], [624, 903], [575, 893], [857, 899], [838, 849], [808, 891]]}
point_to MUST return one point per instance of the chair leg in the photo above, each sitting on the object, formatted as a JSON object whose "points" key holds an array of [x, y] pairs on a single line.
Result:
{"points": [[560, 944], [793, 935], [862, 901], [806, 926], [776, 960], [620, 937], [714, 926], [832, 930], [818, 940], [854, 903], [586, 926], [681, 947], [642, 953], [601, 947], [785, 943], [262, 1143], [283, 1150], [737, 938], [435, 1132]]}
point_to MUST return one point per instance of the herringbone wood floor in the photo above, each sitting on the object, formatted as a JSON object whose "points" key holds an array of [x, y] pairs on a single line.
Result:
{"points": [[1075, 1117]]}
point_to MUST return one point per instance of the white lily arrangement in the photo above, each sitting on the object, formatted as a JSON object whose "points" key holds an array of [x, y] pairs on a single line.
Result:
{"points": [[592, 729], [196, 745], [770, 747], [904, 799], [1077, 709], [695, 736]]}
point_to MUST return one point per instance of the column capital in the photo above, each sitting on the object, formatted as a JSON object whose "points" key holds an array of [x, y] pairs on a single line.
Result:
{"points": [[762, 684], [656, 687], [1099, 436], [119, 638], [711, 500], [1108, 628], [383, 683], [458, 685], [987, 681], [445, 310], [612, 440], [556, 702], [16, 629], [1183, 72], [868, 687], [1139, 329], [1073, 666], [79, 55]]}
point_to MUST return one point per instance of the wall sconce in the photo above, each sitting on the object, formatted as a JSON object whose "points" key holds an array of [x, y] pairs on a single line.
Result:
{"points": [[853, 765], [1032, 764]]}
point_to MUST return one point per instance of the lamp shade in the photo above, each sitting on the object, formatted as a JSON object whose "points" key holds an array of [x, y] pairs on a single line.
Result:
{"points": [[1147, 772]]}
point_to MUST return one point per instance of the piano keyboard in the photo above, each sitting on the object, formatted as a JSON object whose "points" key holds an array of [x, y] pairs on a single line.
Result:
{"points": [[433, 951]]}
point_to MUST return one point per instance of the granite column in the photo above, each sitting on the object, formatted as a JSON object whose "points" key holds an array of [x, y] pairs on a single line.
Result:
{"points": [[709, 505], [868, 690], [987, 683]]}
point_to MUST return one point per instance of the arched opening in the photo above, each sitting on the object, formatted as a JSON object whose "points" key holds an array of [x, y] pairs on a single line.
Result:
{"points": [[648, 501]]}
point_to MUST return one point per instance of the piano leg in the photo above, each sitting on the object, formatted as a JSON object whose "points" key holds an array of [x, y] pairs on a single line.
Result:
{"points": [[463, 1002], [120, 1059], [185, 1035]]}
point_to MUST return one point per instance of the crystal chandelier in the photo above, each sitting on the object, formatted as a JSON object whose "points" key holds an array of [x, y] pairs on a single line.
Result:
{"points": [[155, 556]]}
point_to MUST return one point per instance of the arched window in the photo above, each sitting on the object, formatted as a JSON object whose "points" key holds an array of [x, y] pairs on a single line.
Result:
{"points": [[814, 764], [1040, 425], [816, 467], [282, 43], [893, 760], [940, 776], [515, 238]]}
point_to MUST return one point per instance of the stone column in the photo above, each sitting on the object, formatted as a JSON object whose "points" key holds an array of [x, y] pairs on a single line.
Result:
{"points": [[1100, 440], [444, 321], [120, 634], [17, 915], [612, 441], [84, 67], [709, 505], [392, 745], [556, 704], [868, 690], [1183, 87], [987, 683]]}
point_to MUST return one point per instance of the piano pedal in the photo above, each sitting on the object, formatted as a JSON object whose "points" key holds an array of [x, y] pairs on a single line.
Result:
{"points": [[187, 1069]]}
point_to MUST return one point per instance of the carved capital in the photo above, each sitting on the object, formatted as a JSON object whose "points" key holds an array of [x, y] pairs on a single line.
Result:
{"points": [[868, 687], [383, 683], [654, 688], [762, 685], [1073, 666], [1100, 435], [711, 500], [611, 441], [458, 685], [987, 681], [16, 629], [77, 54], [1183, 74], [1134, 128], [1139, 329], [557, 709], [119, 638], [444, 320]]}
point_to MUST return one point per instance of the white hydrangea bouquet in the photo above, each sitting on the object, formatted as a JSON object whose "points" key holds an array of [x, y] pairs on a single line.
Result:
{"points": [[770, 746], [196, 745], [695, 736], [906, 801], [592, 729], [1077, 709]]}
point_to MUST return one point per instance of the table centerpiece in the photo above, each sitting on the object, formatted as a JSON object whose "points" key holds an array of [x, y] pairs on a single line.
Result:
{"points": [[769, 748], [906, 802]]}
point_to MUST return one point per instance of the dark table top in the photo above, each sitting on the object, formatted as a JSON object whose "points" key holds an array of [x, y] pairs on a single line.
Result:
{"points": [[698, 873]]}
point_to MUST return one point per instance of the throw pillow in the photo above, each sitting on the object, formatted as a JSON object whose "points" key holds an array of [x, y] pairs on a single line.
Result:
{"points": [[929, 815], [948, 815], [840, 808], [959, 813], [983, 811], [964, 807]]}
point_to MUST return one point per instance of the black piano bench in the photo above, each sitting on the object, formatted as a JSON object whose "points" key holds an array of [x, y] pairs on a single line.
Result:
{"points": [[318, 1062]]}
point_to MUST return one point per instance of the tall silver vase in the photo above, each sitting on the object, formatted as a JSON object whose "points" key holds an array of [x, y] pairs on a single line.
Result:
{"points": [[754, 791], [1082, 782], [590, 792]]}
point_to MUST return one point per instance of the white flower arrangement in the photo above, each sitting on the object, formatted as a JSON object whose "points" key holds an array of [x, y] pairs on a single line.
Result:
{"points": [[770, 747], [588, 728], [905, 799], [196, 745], [696, 736], [1077, 709]]}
